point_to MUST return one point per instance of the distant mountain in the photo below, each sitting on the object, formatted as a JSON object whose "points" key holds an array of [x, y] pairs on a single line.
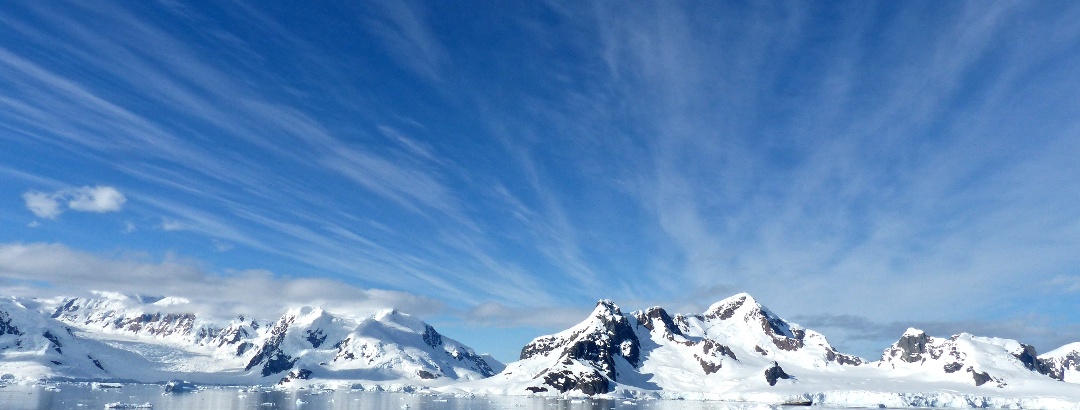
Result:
{"points": [[738, 350], [154, 339], [966, 358], [735, 341], [34, 346], [1063, 361], [313, 344]]}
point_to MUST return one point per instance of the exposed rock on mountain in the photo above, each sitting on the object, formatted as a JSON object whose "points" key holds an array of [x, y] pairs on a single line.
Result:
{"points": [[303, 344], [33, 346], [1062, 363], [647, 349], [978, 360]]}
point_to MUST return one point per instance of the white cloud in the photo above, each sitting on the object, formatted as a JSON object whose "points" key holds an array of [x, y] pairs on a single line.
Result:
{"points": [[46, 270], [96, 199], [99, 199], [172, 225], [130, 227], [499, 315], [42, 204], [222, 246]]}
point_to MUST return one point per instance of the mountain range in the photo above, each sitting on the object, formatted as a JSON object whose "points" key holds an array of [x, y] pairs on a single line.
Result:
{"points": [[736, 350]]}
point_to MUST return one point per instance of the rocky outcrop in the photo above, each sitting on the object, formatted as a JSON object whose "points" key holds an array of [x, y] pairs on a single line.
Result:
{"points": [[270, 355], [595, 344], [610, 348], [774, 373], [963, 357], [1059, 361]]}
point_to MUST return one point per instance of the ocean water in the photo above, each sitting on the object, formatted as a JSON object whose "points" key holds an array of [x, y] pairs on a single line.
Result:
{"points": [[84, 396]]}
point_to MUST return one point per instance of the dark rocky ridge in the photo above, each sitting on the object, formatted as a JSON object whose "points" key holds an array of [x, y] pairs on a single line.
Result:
{"points": [[596, 347]]}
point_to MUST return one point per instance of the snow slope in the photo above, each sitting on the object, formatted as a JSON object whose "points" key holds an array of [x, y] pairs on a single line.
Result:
{"points": [[305, 345], [737, 350], [1064, 361], [33, 346], [740, 351]]}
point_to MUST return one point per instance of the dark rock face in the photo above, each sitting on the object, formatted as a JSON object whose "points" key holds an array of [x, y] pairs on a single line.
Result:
{"points": [[775, 373], [708, 366], [84, 312], [596, 347], [953, 367], [912, 347], [589, 383], [69, 305], [431, 337], [343, 352], [478, 362], [54, 341], [96, 363], [299, 374], [426, 375], [727, 311], [980, 377], [6, 328], [270, 355], [1031, 361], [536, 389], [1055, 367], [783, 336], [157, 324], [710, 347], [657, 318], [315, 337], [833, 356]]}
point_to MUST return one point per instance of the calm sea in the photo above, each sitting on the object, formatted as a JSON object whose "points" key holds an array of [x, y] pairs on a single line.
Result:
{"points": [[82, 396]]}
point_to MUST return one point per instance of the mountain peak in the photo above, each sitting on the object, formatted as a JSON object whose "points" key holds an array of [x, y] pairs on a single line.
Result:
{"points": [[606, 308], [726, 308], [913, 332]]}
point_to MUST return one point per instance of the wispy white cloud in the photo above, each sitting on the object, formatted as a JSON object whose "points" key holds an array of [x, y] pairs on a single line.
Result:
{"points": [[97, 199], [499, 315], [405, 33], [172, 225], [73, 272], [42, 204]]}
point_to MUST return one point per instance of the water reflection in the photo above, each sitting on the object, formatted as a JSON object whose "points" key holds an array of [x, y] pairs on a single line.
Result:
{"points": [[78, 396]]}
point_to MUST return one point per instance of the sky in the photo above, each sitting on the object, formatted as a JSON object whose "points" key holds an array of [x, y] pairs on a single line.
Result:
{"points": [[495, 168]]}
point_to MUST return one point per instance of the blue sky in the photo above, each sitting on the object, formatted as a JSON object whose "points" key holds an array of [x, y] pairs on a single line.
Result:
{"points": [[496, 168]]}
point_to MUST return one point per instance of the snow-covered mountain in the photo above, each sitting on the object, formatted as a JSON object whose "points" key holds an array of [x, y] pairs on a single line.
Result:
{"points": [[33, 346], [738, 350], [1063, 362], [154, 339], [735, 342], [964, 358], [391, 346]]}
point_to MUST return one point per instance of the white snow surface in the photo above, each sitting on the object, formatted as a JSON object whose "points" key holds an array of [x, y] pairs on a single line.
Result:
{"points": [[134, 340], [690, 363], [723, 353]]}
